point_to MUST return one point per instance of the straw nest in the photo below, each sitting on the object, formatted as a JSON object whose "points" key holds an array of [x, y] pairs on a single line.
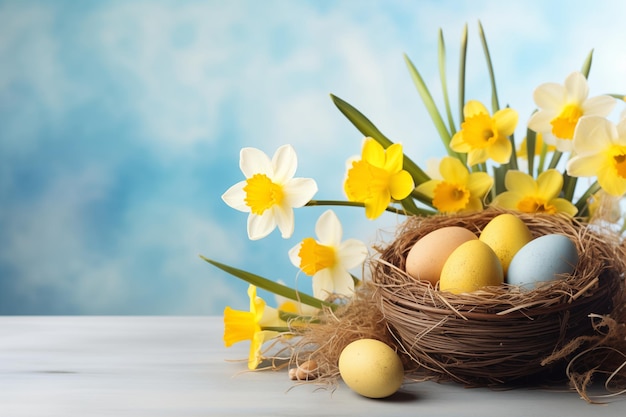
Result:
{"points": [[498, 335]]}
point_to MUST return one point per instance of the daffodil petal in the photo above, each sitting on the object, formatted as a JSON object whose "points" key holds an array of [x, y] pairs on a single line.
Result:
{"points": [[284, 164], [299, 191], [500, 151], [284, 218], [564, 206], [474, 204], [294, 255], [474, 107], [593, 133], [477, 156], [550, 96], [428, 188], [352, 252], [577, 87], [328, 229], [585, 166], [457, 144], [260, 226], [343, 283], [520, 182], [453, 170], [549, 184], [254, 161], [508, 200], [401, 185], [373, 153], [235, 197], [394, 158], [323, 284], [375, 206], [611, 183], [479, 184], [599, 105], [506, 121], [540, 121]]}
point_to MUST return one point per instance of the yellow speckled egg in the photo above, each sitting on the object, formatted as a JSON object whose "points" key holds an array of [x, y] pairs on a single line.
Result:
{"points": [[371, 368], [427, 256], [471, 266], [505, 234]]}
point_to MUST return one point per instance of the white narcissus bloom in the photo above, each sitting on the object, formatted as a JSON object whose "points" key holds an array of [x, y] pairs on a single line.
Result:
{"points": [[562, 106], [270, 192], [328, 259], [600, 151]]}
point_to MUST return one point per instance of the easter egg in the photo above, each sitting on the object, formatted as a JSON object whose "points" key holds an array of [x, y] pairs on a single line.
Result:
{"points": [[427, 256], [544, 259], [471, 266], [371, 368], [505, 234]]}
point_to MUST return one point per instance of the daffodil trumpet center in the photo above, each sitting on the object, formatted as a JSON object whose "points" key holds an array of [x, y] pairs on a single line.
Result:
{"points": [[450, 197], [564, 124], [479, 131], [239, 326], [535, 205], [315, 257], [366, 180], [262, 193], [619, 162]]}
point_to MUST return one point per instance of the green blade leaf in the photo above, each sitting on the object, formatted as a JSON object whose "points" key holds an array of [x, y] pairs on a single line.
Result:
{"points": [[587, 65], [367, 128], [444, 83], [269, 285], [428, 101], [494, 93], [462, 61], [531, 142]]}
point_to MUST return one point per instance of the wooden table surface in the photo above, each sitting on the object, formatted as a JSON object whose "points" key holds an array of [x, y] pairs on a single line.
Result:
{"points": [[178, 366]]}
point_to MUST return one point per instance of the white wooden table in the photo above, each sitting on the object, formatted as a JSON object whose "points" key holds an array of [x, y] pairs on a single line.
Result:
{"points": [[178, 366]]}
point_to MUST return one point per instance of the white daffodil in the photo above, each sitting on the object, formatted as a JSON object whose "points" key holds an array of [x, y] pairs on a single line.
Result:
{"points": [[328, 259], [600, 148], [270, 192], [561, 106]]}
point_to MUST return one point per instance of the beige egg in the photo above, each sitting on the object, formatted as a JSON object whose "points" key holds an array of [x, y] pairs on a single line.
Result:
{"points": [[506, 234], [371, 368], [472, 266], [428, 255]]}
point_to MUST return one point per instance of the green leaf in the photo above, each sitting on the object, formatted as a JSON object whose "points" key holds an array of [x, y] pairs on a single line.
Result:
{"points": [[462, 61], [367, 128], [444, 83], [494, 93], [312, 203], [587, 65], [531, 142], [428, 101], [269, 285]]}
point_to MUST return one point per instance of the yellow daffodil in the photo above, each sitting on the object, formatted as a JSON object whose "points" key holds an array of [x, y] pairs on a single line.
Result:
{"points": [[562, 106], [377, 178], [600, 150], [328, 259], [249, 325], [458, 190], [483, 136], [522, 152], [529, 196], [270, 192]]}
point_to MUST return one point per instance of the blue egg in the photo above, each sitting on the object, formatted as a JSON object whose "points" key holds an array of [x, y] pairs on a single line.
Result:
{"points": [[544, 259]]}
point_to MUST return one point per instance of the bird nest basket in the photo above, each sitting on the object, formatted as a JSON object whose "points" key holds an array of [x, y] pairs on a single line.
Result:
{"points": [[501, 335]]}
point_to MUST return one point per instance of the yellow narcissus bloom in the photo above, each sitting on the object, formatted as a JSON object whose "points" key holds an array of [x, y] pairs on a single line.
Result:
{"points": [[328, 259], [522, 152], [483, 136], [600, 151], [458, 190], [270, 192], [249, 325], [529, 196], [562, 106], [377, 178]]}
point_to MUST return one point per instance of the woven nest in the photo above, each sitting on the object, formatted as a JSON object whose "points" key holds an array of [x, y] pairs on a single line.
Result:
{"points": [[499, 334]]}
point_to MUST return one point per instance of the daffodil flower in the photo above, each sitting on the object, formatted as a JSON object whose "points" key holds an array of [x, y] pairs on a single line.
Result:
{"points": [[377, 178], [249, 325], [328, 259], [458, 190], [483, 136], [270, 192], [562, 106], [600, 150], [529, 196]]}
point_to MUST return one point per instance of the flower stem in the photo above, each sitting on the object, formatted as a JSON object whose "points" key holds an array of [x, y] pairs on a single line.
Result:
{"points": [[581, 204]]}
